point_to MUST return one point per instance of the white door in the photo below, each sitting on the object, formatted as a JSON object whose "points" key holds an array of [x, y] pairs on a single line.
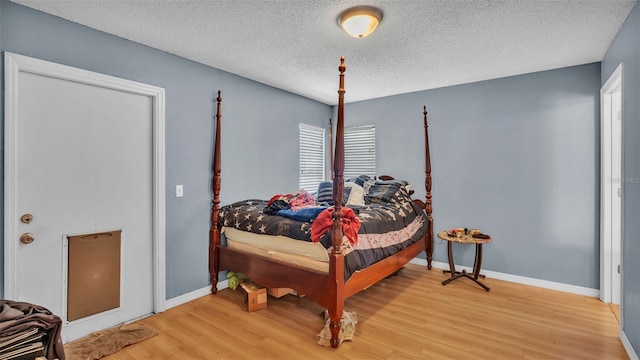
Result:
{"points": [[82, 162]]}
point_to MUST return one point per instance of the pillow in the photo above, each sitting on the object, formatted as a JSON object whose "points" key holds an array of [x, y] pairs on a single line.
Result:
{"points": [[383, 191], [367, 185], [402, 195], [356, 195], [394, 181], [363, 181], [360, 180], [346, 193], [325, 193]]}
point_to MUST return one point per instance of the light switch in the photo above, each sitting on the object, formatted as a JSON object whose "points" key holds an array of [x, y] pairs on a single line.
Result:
{"points": [[179, 191]]}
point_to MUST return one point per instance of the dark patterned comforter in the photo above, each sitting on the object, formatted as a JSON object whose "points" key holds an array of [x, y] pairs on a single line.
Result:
{"points": [[385, 228]]}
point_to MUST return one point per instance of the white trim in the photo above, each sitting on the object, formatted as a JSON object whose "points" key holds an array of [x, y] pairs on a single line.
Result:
{"points": [[627, 346], [14, 64], [11, 68], [517, 279], [185, 298], [613, 82], [190, 296], [159, 214]]}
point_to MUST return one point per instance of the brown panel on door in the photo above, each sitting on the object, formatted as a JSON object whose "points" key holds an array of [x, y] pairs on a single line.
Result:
{"points": [[93, 274]]}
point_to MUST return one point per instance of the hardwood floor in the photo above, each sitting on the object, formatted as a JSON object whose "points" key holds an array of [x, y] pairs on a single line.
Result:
{"points": [[616, 311], [409, 316]]}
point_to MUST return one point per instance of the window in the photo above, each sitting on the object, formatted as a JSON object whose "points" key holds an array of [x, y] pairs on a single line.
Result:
{"points": [[360, 151], [311, 157]]}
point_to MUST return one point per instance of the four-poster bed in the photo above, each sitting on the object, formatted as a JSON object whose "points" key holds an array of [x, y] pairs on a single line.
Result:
{"points": [[331, 281]]}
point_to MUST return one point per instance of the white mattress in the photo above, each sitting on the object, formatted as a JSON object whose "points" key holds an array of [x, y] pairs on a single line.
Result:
{"points": [[302, 253]]}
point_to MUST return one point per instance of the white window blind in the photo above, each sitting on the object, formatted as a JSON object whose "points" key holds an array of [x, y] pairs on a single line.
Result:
{"points": [[360, 151], [311, 157]]}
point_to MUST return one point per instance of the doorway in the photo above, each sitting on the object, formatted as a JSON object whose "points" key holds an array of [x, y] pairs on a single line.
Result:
{"points": [[84, 153], [612, 187]]}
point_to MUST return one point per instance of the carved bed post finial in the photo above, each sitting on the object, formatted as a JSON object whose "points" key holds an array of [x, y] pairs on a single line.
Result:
{"points": [[214, 231], [428, 207]]}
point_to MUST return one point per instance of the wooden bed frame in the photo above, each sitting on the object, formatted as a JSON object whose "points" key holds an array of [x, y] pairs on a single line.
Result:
{"points": [[328, 290]]}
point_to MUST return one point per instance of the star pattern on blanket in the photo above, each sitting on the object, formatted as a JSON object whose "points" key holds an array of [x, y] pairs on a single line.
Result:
{"points": [[249, 216], [365, 215], [305, 227], [391, 214]]}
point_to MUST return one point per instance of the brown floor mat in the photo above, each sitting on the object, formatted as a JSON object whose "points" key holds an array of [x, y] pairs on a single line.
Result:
{"points": [[106, 342]]}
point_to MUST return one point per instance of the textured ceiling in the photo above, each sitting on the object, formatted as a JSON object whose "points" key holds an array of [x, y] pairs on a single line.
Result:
{"points": [[296, 45]]}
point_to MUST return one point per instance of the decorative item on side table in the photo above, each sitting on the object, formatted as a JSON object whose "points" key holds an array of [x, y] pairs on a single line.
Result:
{"points": [[465, 236]]}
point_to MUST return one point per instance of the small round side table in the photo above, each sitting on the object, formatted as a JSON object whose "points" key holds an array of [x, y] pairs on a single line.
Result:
{"points": [[464, 239]]}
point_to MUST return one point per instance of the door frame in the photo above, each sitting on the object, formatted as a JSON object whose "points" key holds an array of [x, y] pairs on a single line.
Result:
{"points": [[13, 65], [607, 182]]}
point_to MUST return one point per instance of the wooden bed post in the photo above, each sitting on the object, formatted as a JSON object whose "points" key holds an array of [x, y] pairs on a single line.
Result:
{"points": [[214, 231], [331, 148], [336, 259], [427, 183]]}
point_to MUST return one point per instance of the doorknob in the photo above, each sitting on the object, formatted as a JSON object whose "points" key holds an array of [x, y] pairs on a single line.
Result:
{"points": [[27, 238]]}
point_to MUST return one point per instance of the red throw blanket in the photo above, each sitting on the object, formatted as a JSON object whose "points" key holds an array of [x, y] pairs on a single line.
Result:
{"points": [[350, 225]]}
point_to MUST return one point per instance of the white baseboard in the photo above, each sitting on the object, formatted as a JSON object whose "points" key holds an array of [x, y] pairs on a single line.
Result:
{"points": [[627, 346], [185, 298], [518, 279]]}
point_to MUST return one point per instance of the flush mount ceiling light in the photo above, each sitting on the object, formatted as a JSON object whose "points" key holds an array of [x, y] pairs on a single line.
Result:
{"points": [[360, 21]]}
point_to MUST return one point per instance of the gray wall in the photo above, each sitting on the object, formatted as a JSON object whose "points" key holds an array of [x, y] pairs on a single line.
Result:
{"points": [[260, 126], [517, 157], [626, 49]]}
